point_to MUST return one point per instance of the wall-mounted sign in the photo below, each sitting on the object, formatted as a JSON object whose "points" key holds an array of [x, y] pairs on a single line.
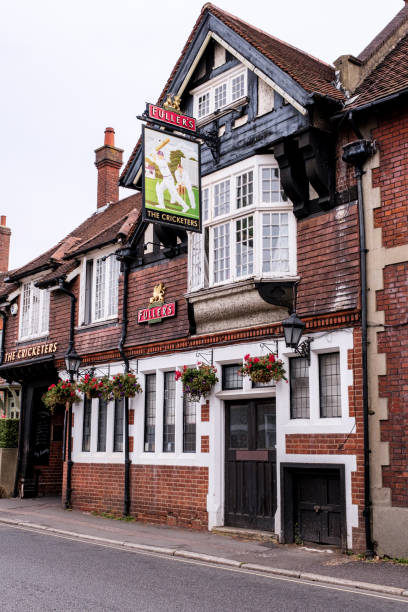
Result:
{"points": [[157, 309], [27, 352], [171, 180], [170, 117]]}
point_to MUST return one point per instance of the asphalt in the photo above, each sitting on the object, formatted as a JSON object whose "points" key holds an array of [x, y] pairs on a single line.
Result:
{"points": [[311, 563]]}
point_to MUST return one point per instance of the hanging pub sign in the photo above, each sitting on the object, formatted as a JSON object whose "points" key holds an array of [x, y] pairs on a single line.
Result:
{"points": [[171, 180]]}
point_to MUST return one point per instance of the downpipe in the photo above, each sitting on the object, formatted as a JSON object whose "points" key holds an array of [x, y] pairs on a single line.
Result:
{"points": [[68, 488], [126, 484], [356, 154]]}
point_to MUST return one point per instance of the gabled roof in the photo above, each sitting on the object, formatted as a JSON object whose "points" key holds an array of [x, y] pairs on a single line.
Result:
{"points": [[313, 75], [388, 78], [115, 222]]}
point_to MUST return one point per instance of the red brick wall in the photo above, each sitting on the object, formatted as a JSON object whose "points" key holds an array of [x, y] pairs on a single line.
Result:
{"points": [[343, 444], [393, 341], [173, 273], [392, 178], [328, 262], [345, 178], [172, 495]]}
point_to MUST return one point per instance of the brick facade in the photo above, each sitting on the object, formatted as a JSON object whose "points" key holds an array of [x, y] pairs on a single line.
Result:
{"points": [[172, 495]]}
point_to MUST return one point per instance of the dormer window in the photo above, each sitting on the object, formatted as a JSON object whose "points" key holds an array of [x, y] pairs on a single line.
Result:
{"points": [[35, 310], [220, 92]]}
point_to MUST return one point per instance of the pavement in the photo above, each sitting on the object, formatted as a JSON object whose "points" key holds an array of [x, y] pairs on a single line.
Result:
{"points": [[313, 563]]}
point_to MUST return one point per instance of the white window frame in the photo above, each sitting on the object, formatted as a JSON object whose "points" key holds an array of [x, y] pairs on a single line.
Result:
{"points": [[210, 86], [43, 311], [256, 209], [109, 261]]}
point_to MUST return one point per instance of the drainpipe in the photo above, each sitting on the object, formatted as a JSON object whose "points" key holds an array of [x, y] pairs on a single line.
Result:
{"points": [[356, 154], [125, 259], [68, 487]]}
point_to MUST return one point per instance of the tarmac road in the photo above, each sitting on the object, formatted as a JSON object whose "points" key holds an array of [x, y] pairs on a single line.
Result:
{"points": [[45, 572]]}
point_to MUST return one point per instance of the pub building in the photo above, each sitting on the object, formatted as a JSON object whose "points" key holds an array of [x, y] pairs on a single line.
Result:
{"points": [[280, 235]]}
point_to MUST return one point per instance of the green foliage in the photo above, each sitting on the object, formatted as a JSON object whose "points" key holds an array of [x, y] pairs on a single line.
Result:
{"points": [[9, 433], [197, 381]]}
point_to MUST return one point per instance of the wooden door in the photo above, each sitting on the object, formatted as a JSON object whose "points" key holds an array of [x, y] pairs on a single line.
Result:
{"points": [[250, 464], [318, 506]]}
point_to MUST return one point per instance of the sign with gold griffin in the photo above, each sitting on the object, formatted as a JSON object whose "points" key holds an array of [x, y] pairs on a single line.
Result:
{"points": [[157, 309]]}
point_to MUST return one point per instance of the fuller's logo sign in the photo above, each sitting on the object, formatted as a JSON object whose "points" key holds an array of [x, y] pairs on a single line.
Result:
{"points": [[27, 352], [157, 309], [170, 117]]}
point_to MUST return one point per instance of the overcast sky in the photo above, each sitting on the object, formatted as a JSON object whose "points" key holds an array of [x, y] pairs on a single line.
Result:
{"points": [[70, 69]]}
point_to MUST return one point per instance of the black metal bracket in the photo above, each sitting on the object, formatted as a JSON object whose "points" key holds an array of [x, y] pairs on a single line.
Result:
{"points": [[268, 348], [212, 140], [210, 353], [303, 350]]}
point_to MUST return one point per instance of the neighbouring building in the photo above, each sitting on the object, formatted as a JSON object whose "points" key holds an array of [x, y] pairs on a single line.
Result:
{"points": [[280, 226]]}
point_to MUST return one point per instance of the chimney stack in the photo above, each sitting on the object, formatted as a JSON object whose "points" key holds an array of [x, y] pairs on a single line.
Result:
{"points": [[108, 160], [5, 234]]}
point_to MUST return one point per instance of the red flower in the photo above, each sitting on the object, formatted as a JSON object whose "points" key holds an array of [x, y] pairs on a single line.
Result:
{"points": [[246, 357], [256, 359], [178, 375], [184, 368], [269, 367], [271, 358], [72, 393]]}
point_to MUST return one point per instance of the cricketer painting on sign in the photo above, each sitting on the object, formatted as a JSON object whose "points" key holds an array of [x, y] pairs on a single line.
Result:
{"points": [[171, 180]]}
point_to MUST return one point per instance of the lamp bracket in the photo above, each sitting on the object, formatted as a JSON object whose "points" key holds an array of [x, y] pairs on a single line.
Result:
{"points": [[210, 353], [303, 349], [263, 345]]}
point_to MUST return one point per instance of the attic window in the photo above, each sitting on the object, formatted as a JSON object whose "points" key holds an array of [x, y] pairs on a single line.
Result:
{"points": [[218, 93]]}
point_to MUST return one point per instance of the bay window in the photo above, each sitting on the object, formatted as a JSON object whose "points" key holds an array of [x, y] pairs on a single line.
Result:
{"points": [[35, 312], [249, 229]]}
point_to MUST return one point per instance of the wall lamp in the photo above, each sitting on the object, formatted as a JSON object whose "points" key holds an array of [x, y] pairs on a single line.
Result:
{"points": [[72, 363], [293, 329]]}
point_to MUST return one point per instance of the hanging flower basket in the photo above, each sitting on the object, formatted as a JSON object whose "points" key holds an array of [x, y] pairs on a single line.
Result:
{"points": [[120, 386], [263, 369], [60, 394], [197, 381], [91, 386]]}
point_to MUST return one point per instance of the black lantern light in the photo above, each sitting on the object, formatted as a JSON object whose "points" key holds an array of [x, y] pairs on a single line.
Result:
{"points": [[293, 329], [72, 362]]}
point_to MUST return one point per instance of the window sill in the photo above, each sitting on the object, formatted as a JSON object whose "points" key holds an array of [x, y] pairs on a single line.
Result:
{"points": [[27, 341], [222, 111], [98, 324]]}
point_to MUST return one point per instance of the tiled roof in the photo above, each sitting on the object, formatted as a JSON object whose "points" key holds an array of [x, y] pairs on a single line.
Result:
{"points": [[389, 77], [99, 229], [310, 73]]}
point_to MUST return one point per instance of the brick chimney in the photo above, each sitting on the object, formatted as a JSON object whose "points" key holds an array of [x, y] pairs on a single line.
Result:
{"points": [[108, 160], [5, 234]]}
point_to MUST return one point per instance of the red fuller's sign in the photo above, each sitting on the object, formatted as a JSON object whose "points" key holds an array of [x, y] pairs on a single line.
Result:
{"points": [[154, 314], [171, 118]]}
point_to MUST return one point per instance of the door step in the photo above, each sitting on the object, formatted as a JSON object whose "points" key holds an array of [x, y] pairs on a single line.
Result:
{"points": [[246, 534]]}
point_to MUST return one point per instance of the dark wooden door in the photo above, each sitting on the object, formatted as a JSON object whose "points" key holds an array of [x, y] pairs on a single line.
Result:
{"points": [[318, 506], [250, 464]]}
